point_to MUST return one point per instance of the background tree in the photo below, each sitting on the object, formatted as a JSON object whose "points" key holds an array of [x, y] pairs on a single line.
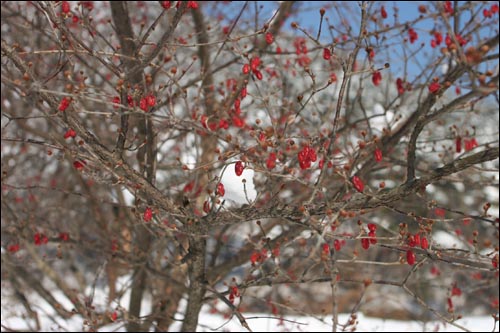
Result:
{"points": [[365, 151]]}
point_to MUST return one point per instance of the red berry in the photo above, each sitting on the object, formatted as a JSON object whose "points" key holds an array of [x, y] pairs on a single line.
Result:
{"points": [[65, 102], [254, 63], [434, 87], [269, 38], [373, 237], [238, 168], [383, 13], [358, 183], [378, 155], [271, 161], [327, 54], [220, 189], [192, 5], [246, 69], [65, 7], [410, 257], [416, 239], [413, 35], [13, 248], [70, 133], [79, 165], [258, 75], [424, 243], [148, 214], [151, 99], [365, 243], [206, 207], [376, 78], [455, 291], [40, 239], [448, 7], [143, 104], [116, 102], [326, 249]]}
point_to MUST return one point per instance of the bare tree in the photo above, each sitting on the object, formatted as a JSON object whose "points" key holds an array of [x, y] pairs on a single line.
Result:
{"points": [[363, 153]]}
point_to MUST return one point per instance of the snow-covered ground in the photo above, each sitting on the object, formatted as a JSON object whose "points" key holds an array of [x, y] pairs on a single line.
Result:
{"points": [[266, 323], [13, 319]]}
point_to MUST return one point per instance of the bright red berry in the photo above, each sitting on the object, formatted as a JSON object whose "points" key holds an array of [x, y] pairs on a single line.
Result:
{"points": [[220, 190], [383, 13], [143, 104], [358, 183], [271, 161], [376, 78], [238, 168], [79, 165], [269, 38], [246, 69], [424, 243], [65, 102], [378, 155], [258, 75], [148, 214], [151, 100], [434, 87], [70, 133], [255, 63], [413, 35], [365, 243], [116, 102], [326, 249], [410, 257], [327, 54], [65, 7]]}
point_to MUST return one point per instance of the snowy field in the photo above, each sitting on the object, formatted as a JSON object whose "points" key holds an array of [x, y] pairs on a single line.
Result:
{"points": [[12, 319]]}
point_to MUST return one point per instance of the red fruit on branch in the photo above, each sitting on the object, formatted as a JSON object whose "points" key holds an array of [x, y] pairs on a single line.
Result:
{"points": [[413, 35], [79, 165], [70, 133], [271, 161], [13, 248], [378, 155], [410, 257], [151, 100], [65, 102], [434, 87], [220, 190], [238, 168], [255, 63], [327, 54], [358, 184], [365, 243], [148, 214], [376, 78], [383, 12], [269, 38], [424, 243], [65, 9]]}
